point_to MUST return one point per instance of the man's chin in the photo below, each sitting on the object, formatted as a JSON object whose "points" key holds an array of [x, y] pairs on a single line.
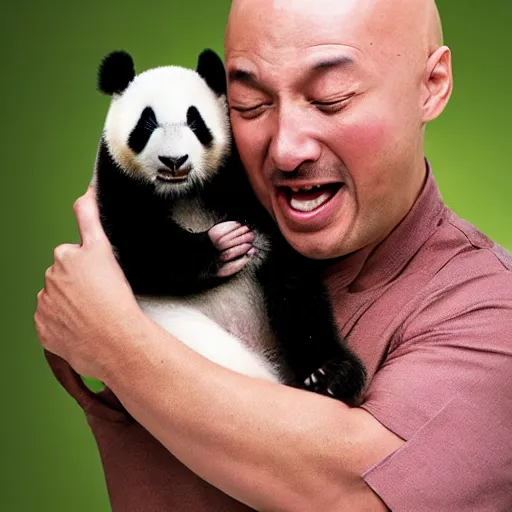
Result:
{"points": [[319, 245]]}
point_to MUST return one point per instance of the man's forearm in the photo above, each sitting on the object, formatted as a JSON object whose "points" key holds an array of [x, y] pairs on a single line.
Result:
{"points": [[269, 446]]}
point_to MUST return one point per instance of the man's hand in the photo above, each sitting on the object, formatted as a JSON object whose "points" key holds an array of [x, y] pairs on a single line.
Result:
{"points": [[234, 242], [86, 298]]}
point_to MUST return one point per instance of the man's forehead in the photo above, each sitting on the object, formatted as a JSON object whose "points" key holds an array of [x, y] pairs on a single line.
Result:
{"points": [[370, 26], [298, 23]]}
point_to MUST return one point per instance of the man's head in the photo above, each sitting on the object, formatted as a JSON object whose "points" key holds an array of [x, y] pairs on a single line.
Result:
{"points": [[335, 93]]}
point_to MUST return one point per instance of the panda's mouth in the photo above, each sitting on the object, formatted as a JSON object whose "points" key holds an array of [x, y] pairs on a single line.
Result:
{"points": [[173, 176]]}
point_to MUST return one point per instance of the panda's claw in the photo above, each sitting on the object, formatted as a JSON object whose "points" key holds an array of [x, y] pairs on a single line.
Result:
{"points": [[339, 379], [322, 382]]}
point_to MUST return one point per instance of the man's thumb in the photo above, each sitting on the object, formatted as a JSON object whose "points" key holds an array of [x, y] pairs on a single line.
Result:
{"points": [[88, 218]]}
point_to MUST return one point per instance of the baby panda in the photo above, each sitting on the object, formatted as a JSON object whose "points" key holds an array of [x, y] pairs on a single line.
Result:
{"points": [[203, 257]]}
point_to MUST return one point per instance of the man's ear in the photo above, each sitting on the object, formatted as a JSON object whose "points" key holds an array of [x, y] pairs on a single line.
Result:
{"points": [[211, 68], [437, 83]]}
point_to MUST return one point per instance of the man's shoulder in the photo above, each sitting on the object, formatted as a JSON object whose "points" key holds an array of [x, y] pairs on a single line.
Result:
{"points": [[469, 274], [479, 245], [461, 253]]}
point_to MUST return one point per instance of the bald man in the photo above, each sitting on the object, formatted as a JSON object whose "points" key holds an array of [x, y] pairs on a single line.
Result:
{"points": [[337, 94]]}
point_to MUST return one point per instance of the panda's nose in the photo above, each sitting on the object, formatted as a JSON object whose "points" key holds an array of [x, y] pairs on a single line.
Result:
{"points": [[173, 163]]}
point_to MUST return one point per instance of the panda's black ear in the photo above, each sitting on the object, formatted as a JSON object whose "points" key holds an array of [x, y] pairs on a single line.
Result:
{"points": [[211, 68], [116, 71]]}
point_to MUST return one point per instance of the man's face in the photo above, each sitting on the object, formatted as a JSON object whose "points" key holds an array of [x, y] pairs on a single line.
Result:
{"points": [[326, 117]]}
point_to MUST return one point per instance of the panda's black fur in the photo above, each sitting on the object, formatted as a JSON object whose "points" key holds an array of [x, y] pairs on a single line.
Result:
{"points": [[165, 262]]}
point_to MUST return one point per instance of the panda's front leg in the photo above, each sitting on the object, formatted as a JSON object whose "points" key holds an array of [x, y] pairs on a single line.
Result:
{"points": [[191, 262], [234, 243]]}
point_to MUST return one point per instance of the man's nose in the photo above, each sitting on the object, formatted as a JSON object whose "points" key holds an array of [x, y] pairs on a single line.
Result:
{"points": [[292, 143]]}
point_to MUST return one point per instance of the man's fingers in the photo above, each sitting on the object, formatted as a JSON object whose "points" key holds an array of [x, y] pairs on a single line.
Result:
{"points": [[219, 230], [228, 269], [242, 230], [235, 252], [88, 218]]}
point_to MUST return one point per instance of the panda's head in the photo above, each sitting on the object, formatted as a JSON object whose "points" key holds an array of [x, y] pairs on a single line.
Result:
{"points": [[167, 126]]}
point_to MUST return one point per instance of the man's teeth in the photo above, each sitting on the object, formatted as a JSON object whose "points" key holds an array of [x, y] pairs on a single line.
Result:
{"points": [[304, 189], [309, 205]]}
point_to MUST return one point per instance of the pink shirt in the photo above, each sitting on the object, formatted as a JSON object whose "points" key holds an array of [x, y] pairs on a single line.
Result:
{"points": [[430, 314]]}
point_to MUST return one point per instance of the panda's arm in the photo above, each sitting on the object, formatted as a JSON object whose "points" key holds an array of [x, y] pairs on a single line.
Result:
{"points": [[179, 262], [300, 314]]}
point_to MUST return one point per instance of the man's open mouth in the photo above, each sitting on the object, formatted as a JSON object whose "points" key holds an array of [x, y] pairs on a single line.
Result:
{"points": [[309, 198]]}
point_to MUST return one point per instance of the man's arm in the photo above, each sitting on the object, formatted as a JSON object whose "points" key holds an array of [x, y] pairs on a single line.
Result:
{"points": [[269, 446]]}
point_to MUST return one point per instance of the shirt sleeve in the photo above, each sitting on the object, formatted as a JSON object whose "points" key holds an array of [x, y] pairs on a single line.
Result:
{"points": [[446, 389]]}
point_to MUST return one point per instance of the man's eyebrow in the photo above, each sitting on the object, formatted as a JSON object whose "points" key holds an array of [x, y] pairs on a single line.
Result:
{"points": [[241, 75], [333, 62], [246, 77]]}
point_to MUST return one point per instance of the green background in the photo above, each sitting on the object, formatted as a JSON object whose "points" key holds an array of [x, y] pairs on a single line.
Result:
{"points": [[51, 120]]}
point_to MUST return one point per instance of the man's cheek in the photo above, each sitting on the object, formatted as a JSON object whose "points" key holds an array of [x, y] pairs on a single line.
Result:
{"points": [[367, 149], [364, 141]]}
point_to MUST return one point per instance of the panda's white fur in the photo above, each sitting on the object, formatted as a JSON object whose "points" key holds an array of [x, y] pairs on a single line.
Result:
{"points": [[196, 321], [214, 322]]}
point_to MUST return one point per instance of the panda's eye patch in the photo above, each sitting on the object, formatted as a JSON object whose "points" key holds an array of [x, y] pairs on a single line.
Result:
{"points": [[140, 135], [198, 126]]}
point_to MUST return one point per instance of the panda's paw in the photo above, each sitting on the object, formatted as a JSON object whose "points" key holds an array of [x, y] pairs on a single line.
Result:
{"points": [[339, 379], [234, 243]]}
